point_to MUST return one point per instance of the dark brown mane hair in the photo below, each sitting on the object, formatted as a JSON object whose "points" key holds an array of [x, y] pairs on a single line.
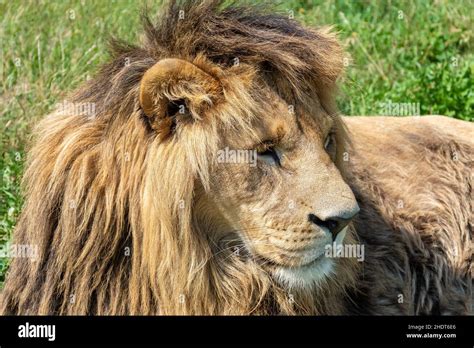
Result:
{"points": [[106, 244], [304, 59]]}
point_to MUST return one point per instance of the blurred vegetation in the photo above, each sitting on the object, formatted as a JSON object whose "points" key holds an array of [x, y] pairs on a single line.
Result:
{"points": [[401, 51]]}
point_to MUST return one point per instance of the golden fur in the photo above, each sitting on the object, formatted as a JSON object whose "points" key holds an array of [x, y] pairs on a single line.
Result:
{"points": [[132, 214], [413, 179]]}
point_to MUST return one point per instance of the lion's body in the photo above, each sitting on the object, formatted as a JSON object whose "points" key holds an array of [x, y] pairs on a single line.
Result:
{"points": [[413, 181], [122, 218]]}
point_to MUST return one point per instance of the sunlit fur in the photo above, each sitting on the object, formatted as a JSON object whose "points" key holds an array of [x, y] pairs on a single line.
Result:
{"points": [[114, 208], [413, 178], [98, 187]]}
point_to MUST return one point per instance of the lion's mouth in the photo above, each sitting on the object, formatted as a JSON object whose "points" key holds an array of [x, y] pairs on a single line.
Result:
{"points": [[304, 258], [309, 273], [312, 269], [301, 262], [310, 263], [304, 267]]}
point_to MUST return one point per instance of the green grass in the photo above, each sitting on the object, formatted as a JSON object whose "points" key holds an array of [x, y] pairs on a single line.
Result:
{"points": [[403, 52]]}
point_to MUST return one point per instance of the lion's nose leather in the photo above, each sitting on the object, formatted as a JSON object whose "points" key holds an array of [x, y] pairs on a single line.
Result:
{"points": [[334, 222]]}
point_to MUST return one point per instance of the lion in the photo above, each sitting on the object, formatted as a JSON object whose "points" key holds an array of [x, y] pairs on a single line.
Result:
{"points": [[134, 209]]}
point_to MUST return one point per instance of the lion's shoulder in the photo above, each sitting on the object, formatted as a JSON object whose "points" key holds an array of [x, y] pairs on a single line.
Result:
{"points": [[392, 130], [411, 176]]}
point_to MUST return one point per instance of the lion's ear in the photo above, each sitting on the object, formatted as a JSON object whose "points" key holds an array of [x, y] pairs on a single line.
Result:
{"points": [[175, 86]]}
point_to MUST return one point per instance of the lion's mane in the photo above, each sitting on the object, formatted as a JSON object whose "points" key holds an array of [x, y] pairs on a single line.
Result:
{"points": [[114, 226], [111, 209]]}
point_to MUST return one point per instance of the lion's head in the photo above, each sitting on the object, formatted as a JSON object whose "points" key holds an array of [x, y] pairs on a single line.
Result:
{"points": [[209, 181], [271, 183]]}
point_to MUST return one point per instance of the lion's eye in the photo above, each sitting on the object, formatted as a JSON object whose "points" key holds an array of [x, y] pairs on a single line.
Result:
{"points": [[270, 155], [330, 145], [329, 142]]}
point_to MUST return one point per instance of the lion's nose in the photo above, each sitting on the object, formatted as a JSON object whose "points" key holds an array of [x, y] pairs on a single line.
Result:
{"points": [[334, 222]]}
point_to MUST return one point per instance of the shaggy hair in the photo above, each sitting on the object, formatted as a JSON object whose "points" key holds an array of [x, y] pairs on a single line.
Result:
{"points": [[91, 187], [418, 235], [116, 229]]}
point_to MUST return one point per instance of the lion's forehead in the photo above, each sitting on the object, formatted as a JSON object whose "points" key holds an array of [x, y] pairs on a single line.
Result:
{"points": [[281, 121]]}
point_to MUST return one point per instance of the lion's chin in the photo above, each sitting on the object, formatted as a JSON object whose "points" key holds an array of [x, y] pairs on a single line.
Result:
{"points": [[306, 276], [312, 274]]}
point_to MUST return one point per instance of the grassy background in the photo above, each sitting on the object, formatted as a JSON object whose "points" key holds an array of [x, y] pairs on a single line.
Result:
{"points": [[403, 52]]}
